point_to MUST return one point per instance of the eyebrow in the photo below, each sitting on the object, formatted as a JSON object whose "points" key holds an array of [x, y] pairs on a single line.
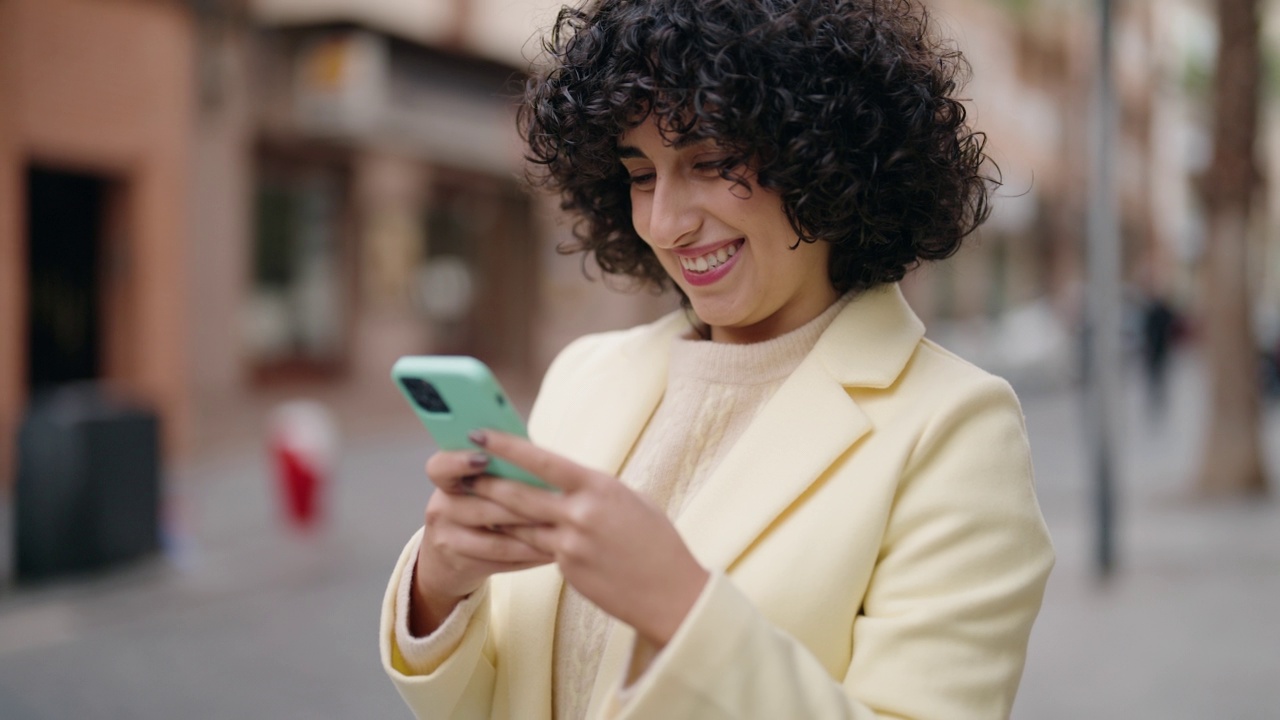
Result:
{"points": [[631, 151]]}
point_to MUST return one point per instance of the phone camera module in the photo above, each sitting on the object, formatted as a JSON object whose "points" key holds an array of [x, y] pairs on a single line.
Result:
{"points": [[426, 395]]}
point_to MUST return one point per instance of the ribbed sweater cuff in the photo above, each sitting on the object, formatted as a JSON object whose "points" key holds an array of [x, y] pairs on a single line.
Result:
{"points": [[422, 655]]}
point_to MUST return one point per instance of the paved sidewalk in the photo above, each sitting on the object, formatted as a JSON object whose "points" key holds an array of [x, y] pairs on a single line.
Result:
{"points": [[246, 619], [1186, 628]]}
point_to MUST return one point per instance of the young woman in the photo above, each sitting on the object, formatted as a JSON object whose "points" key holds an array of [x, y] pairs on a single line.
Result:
{"points": [[783, 502]]}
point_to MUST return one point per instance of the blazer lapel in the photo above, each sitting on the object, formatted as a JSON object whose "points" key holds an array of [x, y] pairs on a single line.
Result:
{"points": [[607, 412], [809, 422], [611, 406], [796, 435]]}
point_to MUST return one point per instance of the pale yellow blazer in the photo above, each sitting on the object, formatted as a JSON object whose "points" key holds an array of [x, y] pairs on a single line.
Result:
{"points": [[876, 545]]}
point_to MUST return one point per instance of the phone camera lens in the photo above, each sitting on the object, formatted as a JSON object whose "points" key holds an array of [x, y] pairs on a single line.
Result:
{"points": [[426, 395]]}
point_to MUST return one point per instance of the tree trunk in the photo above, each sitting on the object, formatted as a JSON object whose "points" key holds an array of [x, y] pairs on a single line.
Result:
{"points": [[1232, 461]]}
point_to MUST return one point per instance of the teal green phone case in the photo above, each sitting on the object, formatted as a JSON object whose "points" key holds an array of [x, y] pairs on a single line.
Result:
{"points": [[453, 395]]}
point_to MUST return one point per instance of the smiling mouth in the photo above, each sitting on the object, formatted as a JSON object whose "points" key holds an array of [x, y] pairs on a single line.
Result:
{"points": [[710, 261]]}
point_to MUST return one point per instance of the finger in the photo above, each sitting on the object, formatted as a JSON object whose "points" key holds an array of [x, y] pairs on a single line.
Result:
{"points": [[501, 548], [541, 538], [452, 471], [445, 510], [553, 469], [531, 504], [480, 512]]}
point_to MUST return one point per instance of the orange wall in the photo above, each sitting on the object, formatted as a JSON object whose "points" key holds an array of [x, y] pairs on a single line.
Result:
{"points": [[103, 87], [12, 257]]}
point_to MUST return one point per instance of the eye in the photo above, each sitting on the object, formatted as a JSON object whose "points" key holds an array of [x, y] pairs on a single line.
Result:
{"points": [[709, 165], [641, 180]]}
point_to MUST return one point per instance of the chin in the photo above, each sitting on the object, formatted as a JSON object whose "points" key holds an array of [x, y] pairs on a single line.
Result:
{"points": [[715, 313]]}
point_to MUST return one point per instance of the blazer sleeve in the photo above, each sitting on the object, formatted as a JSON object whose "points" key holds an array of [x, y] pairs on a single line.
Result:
{"points": [[944, 623], [462, 685]]}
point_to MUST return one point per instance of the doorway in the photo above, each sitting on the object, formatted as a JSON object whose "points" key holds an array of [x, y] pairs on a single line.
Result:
{"points": [[65, 223]]}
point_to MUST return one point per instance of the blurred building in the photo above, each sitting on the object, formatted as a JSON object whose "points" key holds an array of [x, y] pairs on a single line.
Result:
{"points": [[358, 196], [1012, 298], [96, 127], [217, 204]]}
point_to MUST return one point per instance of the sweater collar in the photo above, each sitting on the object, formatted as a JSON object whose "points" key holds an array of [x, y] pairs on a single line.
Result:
{"points": [[752, 363], [868, 344]]}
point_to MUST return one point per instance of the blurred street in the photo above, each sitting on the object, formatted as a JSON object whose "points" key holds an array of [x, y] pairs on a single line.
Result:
{"points": [[247, 619], [211, 208]]}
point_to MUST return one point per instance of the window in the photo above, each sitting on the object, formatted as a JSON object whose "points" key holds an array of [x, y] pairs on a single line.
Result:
{"points": [[296, 318]]}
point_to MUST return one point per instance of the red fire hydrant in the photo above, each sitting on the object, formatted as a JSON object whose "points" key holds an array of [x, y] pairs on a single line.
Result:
{"points": [[303, 443]]}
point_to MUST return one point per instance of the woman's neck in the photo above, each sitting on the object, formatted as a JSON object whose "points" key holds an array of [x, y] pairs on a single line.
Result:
{"points": [[781, 322]]}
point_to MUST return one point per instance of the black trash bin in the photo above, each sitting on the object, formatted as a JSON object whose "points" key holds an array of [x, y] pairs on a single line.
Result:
{"points": [[88, 486]]}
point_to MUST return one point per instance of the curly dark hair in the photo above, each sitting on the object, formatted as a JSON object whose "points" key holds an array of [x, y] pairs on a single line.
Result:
{"points": [[845, 108]]}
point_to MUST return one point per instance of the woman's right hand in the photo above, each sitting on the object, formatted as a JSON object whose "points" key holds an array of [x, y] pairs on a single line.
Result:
{"points": [[463, 541]]}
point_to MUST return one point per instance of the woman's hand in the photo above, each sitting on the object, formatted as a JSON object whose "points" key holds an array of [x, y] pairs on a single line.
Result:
{"points": [[461, 544], [611, 544]]}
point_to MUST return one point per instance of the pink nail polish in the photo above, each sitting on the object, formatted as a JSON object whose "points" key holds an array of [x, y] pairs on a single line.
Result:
{"points": [[479, 437]]}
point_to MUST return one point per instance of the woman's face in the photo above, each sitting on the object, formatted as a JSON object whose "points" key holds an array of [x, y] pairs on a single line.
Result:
{"points": [[727, 247]]}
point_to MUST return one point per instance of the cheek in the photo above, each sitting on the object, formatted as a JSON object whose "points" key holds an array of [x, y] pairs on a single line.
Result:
{"points": [[640, 215]]}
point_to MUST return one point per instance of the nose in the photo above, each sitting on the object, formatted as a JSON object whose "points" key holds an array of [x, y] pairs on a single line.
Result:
{"points": [[674, 214]]}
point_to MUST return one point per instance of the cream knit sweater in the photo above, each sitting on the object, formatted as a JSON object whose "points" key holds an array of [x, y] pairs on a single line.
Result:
{"points": [[713, 391]]}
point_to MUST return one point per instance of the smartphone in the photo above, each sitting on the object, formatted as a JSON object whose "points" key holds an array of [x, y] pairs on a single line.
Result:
{"points": [[455, 394]]}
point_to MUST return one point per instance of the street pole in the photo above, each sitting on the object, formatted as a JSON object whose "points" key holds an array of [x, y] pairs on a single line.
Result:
{"points": [[1103, 304]]}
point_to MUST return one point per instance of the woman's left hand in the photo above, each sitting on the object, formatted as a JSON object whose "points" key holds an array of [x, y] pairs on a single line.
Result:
{"points": [[612, 545]]}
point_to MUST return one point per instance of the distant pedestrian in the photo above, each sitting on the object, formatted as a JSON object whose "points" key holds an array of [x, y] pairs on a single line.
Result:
{"points": [[1158, 322], [782, 502]]}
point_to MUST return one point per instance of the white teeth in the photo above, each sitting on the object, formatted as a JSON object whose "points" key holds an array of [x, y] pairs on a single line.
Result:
{"points": [[710, 261]]}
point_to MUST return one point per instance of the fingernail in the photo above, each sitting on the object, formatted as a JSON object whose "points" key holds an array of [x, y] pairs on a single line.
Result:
{"points": [[479, 437], [478, 460], [468, 484]]}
